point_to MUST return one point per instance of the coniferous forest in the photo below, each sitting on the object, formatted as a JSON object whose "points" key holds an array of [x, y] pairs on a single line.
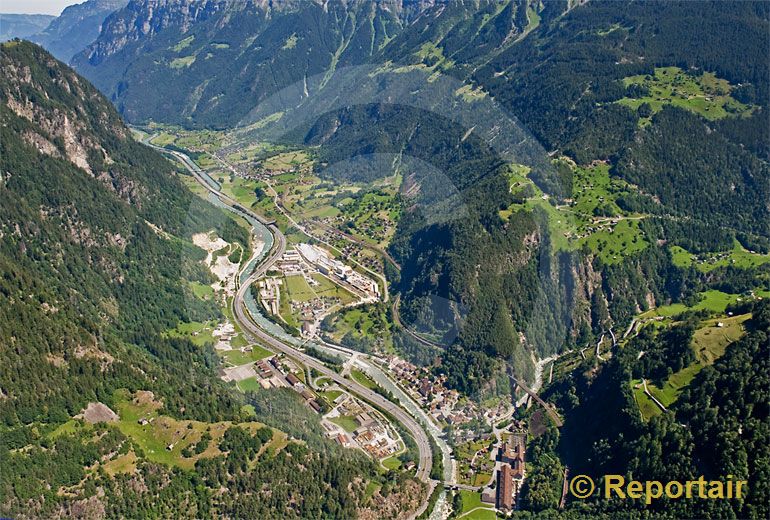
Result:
{"points": [[568, 195]]}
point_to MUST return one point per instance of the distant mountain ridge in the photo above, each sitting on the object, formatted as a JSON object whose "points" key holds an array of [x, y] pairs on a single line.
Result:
{"points": [[77, 27], [22, 25]]}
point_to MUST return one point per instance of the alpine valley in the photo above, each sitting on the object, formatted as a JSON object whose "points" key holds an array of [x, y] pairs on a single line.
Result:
{"points": [[384, 259]]}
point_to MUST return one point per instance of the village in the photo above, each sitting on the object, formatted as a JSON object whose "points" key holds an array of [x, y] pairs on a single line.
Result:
{"points": [[489, 444], [446, 407], [308, 283], [351, 423], [346, 420]]}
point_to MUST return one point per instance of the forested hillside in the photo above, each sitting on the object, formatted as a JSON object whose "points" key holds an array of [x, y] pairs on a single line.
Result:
{"points": [[97, 261], [209, 65], [81, 197], [653, 117], [718, 426]]}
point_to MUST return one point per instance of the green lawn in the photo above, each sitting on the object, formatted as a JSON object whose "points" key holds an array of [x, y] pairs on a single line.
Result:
{"points": [[327, 288], [681, 257], [714, 301], [647, 408], [68, 427], [592, 217], [736, 257], [155, 437], [392, 463], [472, 500], [674, 385], [183, 44], [298, 289], [331, 395], [362, 379], [347, 422], [237, 358], [242, 190], [485, 513], [249, 384], [180, 63], [709, 343], [197, 332], [286, 160], [204, 292], [284, 308], [371, 488], [121, 464]]}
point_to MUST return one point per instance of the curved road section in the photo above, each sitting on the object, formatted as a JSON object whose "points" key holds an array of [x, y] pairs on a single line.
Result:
{"points": [[249, 325]]}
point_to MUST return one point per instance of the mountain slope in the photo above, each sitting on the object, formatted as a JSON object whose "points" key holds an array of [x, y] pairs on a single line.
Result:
{"points": [[220, 59], [629, 115], [104, 412], [81, 194], [77, 27], [211, 63]]}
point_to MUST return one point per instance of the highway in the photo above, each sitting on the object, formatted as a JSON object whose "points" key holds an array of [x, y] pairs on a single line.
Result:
{"points": [[249, 326]]}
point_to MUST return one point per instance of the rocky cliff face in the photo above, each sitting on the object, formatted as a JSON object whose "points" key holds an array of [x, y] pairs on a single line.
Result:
{"points": [[64, 129], [144, 18], [209, 63]]}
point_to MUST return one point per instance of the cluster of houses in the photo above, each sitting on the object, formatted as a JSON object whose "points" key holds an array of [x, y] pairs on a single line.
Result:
{"points": [[375, 227], [443, 404], [273, 373], [294, 382], [311, 310], [349, 249], [372, 433]]}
